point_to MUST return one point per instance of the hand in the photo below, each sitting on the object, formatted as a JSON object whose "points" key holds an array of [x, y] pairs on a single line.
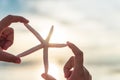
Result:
{"points": [[76, 62], [5, 22], [6, 38], [79, 72], [47, 77], [7, 57]]}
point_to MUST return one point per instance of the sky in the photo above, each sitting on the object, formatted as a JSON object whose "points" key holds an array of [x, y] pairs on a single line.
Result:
{"points": [[93, 25]]}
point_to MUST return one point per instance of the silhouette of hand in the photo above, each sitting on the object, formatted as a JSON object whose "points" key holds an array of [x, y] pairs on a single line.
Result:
{"points": [[73, 69], [7, 37], [76, 62]]}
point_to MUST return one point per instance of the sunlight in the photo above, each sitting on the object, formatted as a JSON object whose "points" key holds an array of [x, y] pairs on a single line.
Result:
{"points": [[53, 70]]}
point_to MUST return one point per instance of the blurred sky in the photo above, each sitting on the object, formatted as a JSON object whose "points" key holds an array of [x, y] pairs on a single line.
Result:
{"points": [[93, 25]]}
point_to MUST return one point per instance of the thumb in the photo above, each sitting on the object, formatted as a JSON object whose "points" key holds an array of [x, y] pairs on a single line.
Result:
{"points": [[68, 66], [47, 77], [4, 56]]}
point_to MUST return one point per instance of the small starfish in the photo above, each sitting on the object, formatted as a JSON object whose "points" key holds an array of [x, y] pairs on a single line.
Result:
{"points": [[44, 44]]}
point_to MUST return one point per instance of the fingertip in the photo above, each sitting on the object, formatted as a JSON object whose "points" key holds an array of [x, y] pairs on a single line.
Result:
{"points": [[43, 75], [18, 60], [27, 21], [22, 19], [69, 43]]}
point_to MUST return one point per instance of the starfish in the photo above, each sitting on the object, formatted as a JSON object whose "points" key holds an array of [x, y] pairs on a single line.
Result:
{"points": [[44, 44]]}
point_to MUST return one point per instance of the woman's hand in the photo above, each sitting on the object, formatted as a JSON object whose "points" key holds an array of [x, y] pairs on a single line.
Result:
{"points": [[7, 37], [76, 62], [78, 72]]}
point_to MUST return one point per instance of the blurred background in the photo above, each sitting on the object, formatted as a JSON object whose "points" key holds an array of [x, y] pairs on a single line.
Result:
{"points": [[92, 25]]}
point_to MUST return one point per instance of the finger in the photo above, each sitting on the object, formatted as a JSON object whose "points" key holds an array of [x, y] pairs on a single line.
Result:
{"points": [[8, 34], [47, 77], [6, 21], [7, 45], [18, 19], [2, 42], [68, 66], [4, 56], [78, 54], [23, 20], [75, 49]]}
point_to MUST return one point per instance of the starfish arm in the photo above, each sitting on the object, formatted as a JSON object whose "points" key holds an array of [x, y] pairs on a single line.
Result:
{"points": [[35, 48], [38, 36], [31, 50], [49, 35], [57, 45], [45, 58]]}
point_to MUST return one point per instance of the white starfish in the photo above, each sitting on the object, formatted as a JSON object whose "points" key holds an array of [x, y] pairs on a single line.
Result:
{"points": [[44, 44]]}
